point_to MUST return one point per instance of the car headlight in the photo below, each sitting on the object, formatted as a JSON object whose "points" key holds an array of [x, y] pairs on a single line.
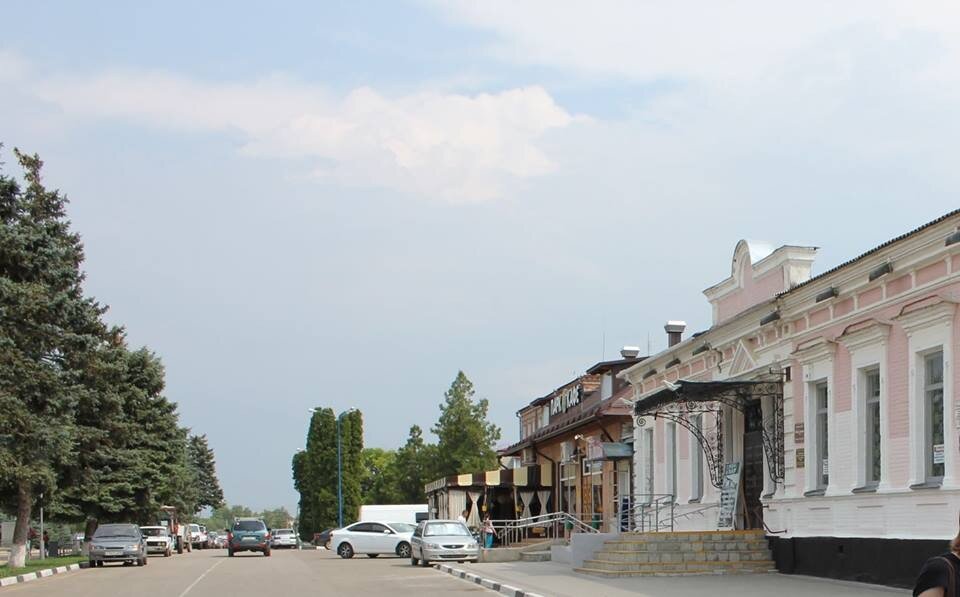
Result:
{"points": [[432, 546], [471, 545], [132, 547], [97, 547]]}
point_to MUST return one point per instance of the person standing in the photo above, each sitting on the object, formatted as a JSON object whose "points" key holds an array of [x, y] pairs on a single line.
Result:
{"points": [[940, 575], [489, 532], [463, 517]]}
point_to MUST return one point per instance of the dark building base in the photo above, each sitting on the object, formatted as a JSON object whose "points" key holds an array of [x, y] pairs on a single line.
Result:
{"points": [[892, 562]]}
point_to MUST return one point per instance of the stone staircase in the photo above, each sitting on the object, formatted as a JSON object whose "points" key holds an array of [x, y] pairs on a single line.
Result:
{"points": [[682, 554]]}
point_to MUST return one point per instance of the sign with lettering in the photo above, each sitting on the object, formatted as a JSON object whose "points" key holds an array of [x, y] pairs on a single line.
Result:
{"points": [[798, 434], [565, 399], [800, 458], [729, 496]]}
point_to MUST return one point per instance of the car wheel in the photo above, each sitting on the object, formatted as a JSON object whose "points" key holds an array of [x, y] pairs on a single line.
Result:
{"points": [[345, 551], [414, 561], [168, 553], [327, 544], [403, 550]]}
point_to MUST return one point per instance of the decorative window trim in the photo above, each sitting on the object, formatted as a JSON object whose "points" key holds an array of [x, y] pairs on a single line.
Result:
{"points": [[914, 317], [815, 350]]}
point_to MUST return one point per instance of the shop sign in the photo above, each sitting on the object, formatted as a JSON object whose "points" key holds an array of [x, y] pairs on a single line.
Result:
{"points": [[565, 399], [729, 496]]}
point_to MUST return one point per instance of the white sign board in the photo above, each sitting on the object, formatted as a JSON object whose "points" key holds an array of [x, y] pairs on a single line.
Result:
{"points": [[938, 454], [6, 533], [729, 496]]}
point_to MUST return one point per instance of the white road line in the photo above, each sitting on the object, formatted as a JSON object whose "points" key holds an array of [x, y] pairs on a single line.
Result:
{"points": [[194, 583]]}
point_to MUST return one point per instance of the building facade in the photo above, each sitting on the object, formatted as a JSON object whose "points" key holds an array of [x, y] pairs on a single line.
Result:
{"points": [[583, 431], [834, 393]]}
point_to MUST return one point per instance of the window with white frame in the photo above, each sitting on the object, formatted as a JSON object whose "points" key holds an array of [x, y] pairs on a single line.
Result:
{"points": [[647, 471], [871, 399], [933, 407], [671, 453], [696, 459], [822, 438], [568, 484]]}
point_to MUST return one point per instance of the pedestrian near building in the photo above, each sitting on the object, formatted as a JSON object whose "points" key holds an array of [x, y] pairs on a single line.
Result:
{"points": [[940, 575], [463, 517], [489, 532]]}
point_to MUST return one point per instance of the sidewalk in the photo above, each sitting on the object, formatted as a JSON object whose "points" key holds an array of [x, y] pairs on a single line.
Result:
{"points": [[557, 580]]}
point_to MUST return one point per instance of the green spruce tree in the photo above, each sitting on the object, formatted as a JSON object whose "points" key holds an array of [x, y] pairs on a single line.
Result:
{"points": [[204, 465], [466, 438]]}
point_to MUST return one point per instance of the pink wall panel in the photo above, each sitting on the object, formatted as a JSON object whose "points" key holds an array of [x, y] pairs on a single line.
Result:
{"points": [[931, 272], [843, 307], [899, 285], [800, 325], [897, 378], [841, 380], [870, 296], [819, 317]]}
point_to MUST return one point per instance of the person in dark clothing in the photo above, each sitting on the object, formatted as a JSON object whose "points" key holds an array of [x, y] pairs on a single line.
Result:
{"points": [[940, 575]]}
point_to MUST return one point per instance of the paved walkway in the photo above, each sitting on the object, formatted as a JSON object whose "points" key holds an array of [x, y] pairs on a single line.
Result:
{"points": [[557, 580]]}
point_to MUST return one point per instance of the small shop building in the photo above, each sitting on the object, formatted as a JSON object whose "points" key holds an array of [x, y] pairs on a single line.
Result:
{"points": [[834, 397]]}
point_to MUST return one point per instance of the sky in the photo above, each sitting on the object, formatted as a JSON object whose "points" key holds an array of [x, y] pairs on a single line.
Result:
{"points": [[342, 204]]}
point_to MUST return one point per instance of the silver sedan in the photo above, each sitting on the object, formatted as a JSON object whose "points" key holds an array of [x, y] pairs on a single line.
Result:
{"points": [[436, 540]]}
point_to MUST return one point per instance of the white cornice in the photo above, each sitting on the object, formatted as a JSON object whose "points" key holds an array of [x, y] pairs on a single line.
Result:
{"points": [[863, 334], [815, 350], [917, 315]]}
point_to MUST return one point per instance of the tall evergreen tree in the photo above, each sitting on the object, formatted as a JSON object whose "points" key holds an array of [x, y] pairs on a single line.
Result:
{"points": [[46, 325], [204, 466], [415, 466], [466, 438], [351, 434], [315, 474]]}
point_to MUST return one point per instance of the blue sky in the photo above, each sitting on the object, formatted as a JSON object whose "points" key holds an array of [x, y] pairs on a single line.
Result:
{"points": [[343, 203]]}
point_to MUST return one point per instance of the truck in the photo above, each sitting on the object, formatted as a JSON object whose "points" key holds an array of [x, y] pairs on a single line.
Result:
{"points": [[411, 513]]}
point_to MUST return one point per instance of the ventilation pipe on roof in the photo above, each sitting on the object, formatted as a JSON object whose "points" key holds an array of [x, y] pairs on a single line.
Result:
{"points": [[630, 352], [674, 331]]}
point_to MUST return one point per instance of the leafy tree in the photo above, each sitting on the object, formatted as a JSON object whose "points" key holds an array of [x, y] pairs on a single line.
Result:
{"points": [[415, 466], [466, 438], [47, 327], [379, 482], [278, 518], [204, 467]]}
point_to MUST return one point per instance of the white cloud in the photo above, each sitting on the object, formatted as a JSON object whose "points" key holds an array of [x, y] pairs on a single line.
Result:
{"points": [[716, 41], [433, 144]]}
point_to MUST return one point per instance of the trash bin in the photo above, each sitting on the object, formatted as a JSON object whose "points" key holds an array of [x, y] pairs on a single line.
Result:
{"points": [[53, 548], [595, 523]]}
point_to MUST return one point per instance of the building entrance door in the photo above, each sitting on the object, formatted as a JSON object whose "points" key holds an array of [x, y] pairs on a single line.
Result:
{"points": [[753, 465]]}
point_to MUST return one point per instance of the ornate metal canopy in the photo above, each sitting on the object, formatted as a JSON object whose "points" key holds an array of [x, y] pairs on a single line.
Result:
{"points": [[682, 401]]}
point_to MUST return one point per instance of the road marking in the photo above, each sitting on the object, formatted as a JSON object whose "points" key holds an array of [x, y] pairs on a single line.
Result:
{"points": [[194, 583]]}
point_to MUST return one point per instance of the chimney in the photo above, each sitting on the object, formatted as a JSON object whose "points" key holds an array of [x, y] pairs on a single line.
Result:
{"points": [[630, 352], [674, 331]]}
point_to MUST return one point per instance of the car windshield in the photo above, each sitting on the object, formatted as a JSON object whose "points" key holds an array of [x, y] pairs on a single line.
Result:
{"points": [[445, 529], [154, 532], [283, 532], [110, 532], [249, 525], [403, 527]]}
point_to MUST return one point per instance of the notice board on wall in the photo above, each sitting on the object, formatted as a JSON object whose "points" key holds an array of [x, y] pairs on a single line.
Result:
{"points": [[729, 496]]}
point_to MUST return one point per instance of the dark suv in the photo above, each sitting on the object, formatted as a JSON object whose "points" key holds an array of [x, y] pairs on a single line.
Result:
{"points": [[248, 534]]}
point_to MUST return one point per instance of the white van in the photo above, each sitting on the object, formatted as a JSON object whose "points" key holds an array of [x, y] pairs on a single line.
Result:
{"points": [[409, 513]]}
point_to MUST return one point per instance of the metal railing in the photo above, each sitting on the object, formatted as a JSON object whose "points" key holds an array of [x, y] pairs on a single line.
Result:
{"points": [[552, 525]]}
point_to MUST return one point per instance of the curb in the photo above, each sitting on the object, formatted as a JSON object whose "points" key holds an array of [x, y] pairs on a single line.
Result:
{"points": [[493, 585], [22, 578]]}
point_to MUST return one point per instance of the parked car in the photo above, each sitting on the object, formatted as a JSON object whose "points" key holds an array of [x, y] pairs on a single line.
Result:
{"points": [[322, 539], [372, 539], [284, 538], [248, 534], [158, 540], [198, 536], [118, 543], [436, 540]]}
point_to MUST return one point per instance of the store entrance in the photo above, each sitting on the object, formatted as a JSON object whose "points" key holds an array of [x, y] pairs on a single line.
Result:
{"points": [[753, 465]]}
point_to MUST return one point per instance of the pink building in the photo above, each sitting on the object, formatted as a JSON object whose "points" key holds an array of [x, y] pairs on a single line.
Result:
{"points": [[834, 393]]}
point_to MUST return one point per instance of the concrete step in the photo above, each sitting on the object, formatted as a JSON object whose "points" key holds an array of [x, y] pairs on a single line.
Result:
{"points": [[634, 573], [684, 556], [686, 536], [680, 567], [685, 546], [535, 556]]}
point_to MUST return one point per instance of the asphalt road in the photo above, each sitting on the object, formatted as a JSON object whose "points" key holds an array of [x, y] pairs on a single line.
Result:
{"points": [[211, 572]]}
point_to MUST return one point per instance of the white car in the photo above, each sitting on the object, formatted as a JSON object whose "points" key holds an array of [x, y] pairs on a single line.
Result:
{"points": [[283, 538], [159, 540], [436, 540], [373, 539], [198, 536]]}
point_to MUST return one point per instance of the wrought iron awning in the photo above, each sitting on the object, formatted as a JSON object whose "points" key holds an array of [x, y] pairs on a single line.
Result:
{"points": [[680, 402]]}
